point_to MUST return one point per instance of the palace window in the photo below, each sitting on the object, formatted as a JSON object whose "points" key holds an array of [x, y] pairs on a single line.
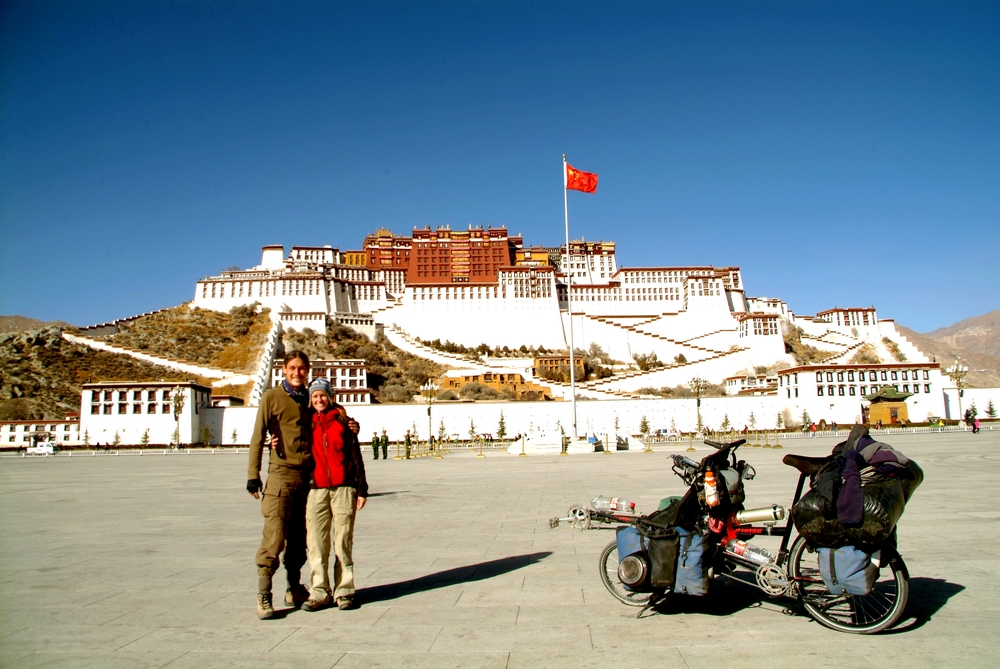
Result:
{"points": [[819, 391]]}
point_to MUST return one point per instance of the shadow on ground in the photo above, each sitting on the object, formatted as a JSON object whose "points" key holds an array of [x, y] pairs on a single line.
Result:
{"points": [[448, 577], [927, 597]]}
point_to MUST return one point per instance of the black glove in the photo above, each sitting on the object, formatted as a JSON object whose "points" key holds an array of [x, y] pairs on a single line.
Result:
{"points": [[254, 486]]}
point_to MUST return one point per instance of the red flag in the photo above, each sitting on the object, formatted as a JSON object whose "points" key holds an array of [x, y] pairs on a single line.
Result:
{"points": [[582, 181]]}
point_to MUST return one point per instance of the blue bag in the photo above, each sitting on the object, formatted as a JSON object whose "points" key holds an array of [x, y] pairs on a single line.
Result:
{"points": [[629, 541], [692, 564], [847, 570]]}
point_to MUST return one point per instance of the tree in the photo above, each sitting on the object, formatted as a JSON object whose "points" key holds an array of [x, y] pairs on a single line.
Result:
{"points": [[117, 440], [974, 410], [472, 429], [442, 432], [806, 420], [562, 430], [644, 426], [502, 427], [753, 421], [616, 422], [235, 436], [780, 422], [725, 422], [206, 435], [991, 411], [175, 438], [86, 438], [680, 359], [144, 439]]}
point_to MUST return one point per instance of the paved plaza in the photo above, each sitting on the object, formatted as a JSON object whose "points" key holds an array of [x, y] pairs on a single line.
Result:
{"points": [[148, 562]]}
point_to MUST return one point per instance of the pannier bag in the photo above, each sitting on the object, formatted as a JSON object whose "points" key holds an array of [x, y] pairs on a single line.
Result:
{"points": [[692, 564], [629, 541], [663, 561], [847, 570]]}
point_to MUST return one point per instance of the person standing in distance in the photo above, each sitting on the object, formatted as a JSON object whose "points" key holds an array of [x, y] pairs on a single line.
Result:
{"points": [[375, 444], [385, 445], [284, 413], [338, 491]]}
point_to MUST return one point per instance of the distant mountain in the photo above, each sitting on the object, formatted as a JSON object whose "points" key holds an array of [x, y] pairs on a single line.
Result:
{"points": [[22, 323], [979, 334], [984, 369]]}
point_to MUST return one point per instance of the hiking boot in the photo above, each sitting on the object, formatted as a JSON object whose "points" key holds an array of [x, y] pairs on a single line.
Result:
{"points": [[264, 608], [296, 595], [345, 603], [316, 603]]}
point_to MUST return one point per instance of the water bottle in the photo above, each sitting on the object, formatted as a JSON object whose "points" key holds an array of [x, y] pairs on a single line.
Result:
{"points": [[754, 554], [612, 504], [711, 491]]}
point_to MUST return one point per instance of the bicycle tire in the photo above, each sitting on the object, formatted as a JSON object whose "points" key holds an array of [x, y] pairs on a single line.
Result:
{"points": [[854, 614], [609, 576]]}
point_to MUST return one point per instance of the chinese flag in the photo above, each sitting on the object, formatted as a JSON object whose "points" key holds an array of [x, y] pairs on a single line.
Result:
{"points": [[582, 181]]}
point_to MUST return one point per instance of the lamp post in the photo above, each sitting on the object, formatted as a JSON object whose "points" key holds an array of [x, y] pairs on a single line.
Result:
{"points": [[698, 386], [957, 373], [429, 389], [177, 405]]}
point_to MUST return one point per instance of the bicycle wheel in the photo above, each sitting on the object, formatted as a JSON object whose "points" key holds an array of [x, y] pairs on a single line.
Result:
{"points": [[609, 576], [856, 614]]}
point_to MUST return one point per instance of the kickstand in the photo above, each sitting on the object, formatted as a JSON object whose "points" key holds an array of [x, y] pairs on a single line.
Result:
{"points": [[654, 599]]}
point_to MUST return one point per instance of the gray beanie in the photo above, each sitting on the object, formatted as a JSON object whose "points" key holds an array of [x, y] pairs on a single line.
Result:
{"points": [[321, 384]]}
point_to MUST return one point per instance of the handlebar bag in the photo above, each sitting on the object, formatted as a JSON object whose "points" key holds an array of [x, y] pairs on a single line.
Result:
{"points": [[692, 564], [847, 570]]}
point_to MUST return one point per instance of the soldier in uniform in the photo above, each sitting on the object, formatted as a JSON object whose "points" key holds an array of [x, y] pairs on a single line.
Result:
{"points": [[375, 444], [385, 445]]}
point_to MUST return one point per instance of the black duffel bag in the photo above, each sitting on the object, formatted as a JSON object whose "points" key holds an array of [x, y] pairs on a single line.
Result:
{"points": [[815, 515]]}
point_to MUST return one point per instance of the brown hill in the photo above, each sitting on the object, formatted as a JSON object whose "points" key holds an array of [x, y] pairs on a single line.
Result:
{"points": [[984, 370], [42, 374], [979, 334], [22, 323]]}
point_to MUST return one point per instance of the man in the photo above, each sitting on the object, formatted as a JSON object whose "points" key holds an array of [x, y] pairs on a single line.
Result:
{"points": [[385, 445], [407, 444], [284, 413], [375, 444]]}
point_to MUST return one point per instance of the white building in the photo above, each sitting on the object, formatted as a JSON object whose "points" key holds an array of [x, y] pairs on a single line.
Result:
{"points": [[20, 434], [142, 412]]}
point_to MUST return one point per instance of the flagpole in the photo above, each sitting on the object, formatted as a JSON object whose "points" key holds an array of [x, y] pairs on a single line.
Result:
{"points": [[569, 303]]}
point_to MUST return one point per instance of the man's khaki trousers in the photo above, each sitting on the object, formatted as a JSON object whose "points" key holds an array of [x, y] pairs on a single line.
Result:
{"points": [[326, 507], [283, 505]]}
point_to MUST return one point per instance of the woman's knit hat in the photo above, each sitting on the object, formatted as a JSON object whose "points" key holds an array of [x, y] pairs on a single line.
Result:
{"points": [[321, 384]]}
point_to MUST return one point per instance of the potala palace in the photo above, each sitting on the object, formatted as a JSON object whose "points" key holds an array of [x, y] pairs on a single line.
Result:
{"points": [[484, 286]]}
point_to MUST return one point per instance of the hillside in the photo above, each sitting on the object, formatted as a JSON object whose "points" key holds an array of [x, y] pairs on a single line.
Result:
{"points": [[979, 334], [230, 341], [42, 374], [984, 370], [22, 323]]}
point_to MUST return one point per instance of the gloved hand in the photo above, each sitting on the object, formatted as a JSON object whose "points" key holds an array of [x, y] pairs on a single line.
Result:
{"points": [[254, 486]]}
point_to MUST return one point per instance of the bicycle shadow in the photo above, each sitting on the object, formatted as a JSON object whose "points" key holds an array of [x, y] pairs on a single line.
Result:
{"points": [[725, 598], [927, 597], [443, 579]]}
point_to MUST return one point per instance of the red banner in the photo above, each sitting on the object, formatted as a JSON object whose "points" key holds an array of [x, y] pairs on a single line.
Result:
{"points": [[582, 181]]}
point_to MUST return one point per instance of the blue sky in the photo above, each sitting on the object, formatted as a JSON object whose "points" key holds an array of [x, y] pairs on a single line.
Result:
{"points": [[842, 154]]}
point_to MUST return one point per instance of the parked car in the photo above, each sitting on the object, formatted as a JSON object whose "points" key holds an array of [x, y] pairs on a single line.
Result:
{"points": [[41, 449]]}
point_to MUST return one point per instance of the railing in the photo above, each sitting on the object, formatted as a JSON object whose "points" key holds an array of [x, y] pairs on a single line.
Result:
{"points": [[208, 450]]}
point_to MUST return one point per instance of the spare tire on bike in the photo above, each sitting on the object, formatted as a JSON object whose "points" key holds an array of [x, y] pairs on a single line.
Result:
{"points": [[815, 517]]}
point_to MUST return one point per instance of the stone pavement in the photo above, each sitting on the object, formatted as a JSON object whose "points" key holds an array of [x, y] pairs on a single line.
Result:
{"points": [[148, 562]]}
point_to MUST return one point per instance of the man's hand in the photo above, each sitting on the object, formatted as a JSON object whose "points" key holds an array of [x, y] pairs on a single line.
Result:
{"points": [[354, 426], [360, 503], [254, 487]]}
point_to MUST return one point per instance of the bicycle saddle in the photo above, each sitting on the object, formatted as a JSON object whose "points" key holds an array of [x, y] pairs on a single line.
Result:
{"points": [[805, 464]]}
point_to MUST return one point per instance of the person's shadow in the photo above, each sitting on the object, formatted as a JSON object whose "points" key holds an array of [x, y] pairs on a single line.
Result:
{"points": [[448, 577]]}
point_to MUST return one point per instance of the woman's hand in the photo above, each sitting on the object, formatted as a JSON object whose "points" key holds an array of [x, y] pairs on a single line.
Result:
{"points": [[360, 503]]}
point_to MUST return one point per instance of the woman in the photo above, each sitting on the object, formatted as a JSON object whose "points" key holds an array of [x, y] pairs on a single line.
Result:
{"points": [[338, 491]]}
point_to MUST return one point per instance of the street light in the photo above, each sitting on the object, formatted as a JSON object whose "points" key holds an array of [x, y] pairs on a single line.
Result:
{"points": [[957, 373], [697, 385], [429, 389], [177, 404]]}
